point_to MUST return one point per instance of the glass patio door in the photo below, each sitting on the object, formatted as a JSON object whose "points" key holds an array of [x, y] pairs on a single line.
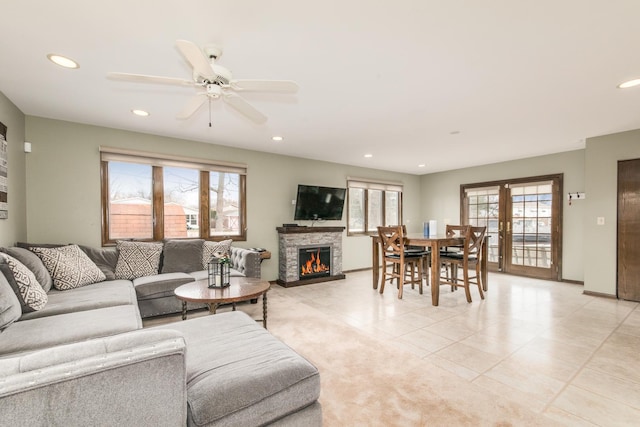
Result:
{"points": [[523, 220]]}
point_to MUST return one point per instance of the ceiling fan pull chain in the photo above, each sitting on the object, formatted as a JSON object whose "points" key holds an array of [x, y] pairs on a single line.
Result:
{"points": [[209, 112]]}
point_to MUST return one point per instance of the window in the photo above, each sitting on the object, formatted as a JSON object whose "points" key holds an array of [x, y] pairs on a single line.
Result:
{"points": [[152, 197], [372, 204]]}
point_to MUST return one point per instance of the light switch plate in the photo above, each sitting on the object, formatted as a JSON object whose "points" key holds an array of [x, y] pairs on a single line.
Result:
{"points": [[600, 220]]}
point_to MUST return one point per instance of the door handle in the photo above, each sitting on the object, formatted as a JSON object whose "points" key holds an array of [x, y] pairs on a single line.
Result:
{"points": [[508, 227]]}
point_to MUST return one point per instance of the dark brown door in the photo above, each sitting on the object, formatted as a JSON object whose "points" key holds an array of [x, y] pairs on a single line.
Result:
{"points": [[629, 230]]}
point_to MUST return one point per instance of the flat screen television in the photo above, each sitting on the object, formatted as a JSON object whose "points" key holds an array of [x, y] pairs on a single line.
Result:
{"points": [[319, 203]]}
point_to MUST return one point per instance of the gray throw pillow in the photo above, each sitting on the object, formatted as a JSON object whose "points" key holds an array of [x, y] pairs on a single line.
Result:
{"points": [[216, 249], [33, 263], [105, 258], [25, 286], [182, 256], [69, 267], [137, 259], [10, 309]]}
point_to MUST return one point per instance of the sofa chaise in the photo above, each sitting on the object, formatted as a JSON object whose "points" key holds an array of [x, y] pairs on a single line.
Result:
{"points": [[84, 359]]}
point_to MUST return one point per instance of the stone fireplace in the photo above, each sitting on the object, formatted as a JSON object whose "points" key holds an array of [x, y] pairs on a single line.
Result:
{"points": [[309, 255]]}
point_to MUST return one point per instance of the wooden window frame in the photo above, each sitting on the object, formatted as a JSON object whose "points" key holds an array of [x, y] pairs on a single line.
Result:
{"points": [[367, 185], [158, 163]]}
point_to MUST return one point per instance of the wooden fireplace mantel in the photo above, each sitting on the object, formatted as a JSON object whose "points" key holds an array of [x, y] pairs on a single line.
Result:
{"points": [[294, 230]]}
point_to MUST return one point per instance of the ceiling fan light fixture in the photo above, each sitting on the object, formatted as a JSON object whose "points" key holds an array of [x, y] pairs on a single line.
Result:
{"points": [[629, 83], [140, 113], [63, 61]]}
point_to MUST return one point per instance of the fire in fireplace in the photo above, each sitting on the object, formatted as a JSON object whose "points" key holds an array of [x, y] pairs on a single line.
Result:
{"points": [[314, 262]]}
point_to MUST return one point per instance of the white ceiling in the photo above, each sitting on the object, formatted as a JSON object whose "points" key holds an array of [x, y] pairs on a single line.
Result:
{"points": [[446, 83]]}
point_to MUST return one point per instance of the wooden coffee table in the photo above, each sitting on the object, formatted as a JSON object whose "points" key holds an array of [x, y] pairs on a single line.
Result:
{"points": [[241, 289]]}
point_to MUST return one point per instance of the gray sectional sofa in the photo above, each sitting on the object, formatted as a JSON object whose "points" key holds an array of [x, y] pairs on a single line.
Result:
{"points": [[84, 359]]}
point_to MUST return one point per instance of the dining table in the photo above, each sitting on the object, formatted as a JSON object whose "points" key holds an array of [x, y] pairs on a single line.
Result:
{"points": [[435, 243]]}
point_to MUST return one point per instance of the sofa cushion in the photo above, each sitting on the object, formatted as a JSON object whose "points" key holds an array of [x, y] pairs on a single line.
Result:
{"points": [[248, 381], [217, 249], [69, 266], [137, 259], [105, 258], [10, 309], [182, 256], [97, 295], [160, 285], [33, 263], [68, 328], [25, 286]]}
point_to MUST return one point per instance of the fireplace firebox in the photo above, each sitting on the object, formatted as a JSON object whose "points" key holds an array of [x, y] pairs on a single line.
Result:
{"points": [[314, 262]]}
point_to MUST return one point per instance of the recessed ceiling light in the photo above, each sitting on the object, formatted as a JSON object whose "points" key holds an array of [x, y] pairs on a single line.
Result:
{"points": [[277, 138], [368, 156], [422, 165], [629, 83], [62, 61], [140, 113]]}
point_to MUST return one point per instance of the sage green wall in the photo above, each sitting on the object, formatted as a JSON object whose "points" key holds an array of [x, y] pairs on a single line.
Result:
{"points": [[63, 178], [441, 197], [601, 164], [14, 228]]}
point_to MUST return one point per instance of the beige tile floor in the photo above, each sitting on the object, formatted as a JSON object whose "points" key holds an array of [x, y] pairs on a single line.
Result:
{"points": [[571, 357]]}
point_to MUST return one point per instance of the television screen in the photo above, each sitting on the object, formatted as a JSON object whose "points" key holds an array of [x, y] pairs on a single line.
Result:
{"points": [[319, 203]]}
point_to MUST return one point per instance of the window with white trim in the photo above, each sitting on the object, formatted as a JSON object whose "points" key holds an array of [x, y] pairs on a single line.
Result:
{"points": [[372, 204], [151, 197]]}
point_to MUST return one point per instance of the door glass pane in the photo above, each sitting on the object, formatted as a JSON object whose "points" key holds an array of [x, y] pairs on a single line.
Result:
{"points": [[356, 210], [181, 202], [130, 208], [392, 210], [374, 210], [482, 210], [531, 220], [224, 204]]}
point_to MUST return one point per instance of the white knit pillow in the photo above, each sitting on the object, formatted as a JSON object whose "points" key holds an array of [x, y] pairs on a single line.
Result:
{"points": [[69, 267]]}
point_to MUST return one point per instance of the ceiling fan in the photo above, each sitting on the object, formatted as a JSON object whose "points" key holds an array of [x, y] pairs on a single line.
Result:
{"points": [[212, 82]]}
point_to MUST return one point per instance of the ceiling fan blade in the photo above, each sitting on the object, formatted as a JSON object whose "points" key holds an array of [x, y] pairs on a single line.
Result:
{"points": [[192, 106], [238, 102], [284, 86], [196, 57], [143, 78]]}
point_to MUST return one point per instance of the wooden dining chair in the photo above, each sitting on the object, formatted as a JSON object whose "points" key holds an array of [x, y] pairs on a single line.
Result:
{"points": [[470, 258], [405, 266]]}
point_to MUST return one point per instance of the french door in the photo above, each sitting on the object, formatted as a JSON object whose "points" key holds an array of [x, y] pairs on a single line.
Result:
{"points": [[523, 219]]}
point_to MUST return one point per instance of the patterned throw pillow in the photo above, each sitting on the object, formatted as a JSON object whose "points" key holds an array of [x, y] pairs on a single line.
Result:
{"points": [[137, 259], [29, 292], [216, 249], [69, 267]]}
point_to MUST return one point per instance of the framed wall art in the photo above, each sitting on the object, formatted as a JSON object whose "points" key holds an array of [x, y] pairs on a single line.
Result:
{"points": [[4, 160]]}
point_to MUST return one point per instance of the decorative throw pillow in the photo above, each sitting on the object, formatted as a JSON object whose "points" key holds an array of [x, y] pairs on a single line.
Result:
{"points": [[216, 249], [10, 309], [137, 259], [69, 267], [182, 256], [33, 263], [29, 292]]}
